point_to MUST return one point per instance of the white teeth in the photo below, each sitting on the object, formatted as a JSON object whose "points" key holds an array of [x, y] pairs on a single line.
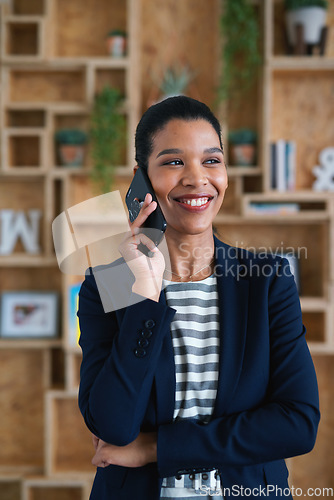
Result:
{"points": [[195, 202]]}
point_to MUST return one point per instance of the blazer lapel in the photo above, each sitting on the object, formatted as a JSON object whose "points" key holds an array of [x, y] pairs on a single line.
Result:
{"points": [[233, 308]]}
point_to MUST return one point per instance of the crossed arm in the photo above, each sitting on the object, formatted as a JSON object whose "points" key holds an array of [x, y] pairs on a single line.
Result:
{"points": [[141, 451]]}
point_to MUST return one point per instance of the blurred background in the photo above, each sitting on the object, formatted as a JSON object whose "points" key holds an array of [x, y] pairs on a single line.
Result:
{"points": [[75, 78]]}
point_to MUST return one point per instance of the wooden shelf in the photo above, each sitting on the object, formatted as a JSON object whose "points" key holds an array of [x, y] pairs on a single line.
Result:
{"points": [[29, 343], [295, 63], [233, 171], [24, 260], [314, 304]]}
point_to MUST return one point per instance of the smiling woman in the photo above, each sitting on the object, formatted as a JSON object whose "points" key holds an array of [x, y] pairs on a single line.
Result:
{"points": [[204, 384]]}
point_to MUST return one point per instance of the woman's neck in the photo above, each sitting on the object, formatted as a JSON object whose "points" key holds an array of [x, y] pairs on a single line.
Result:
{"points": [[191, 256]]}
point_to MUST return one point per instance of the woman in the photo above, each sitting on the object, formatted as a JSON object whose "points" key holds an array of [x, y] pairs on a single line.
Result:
{"points": [[204, 387]]}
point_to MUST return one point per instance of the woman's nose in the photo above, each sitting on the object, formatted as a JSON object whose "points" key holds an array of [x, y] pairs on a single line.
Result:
{"points": [[194, 174]]}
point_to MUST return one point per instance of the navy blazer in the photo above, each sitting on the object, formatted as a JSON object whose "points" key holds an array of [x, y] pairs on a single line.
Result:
{"points": [[267, 405]]}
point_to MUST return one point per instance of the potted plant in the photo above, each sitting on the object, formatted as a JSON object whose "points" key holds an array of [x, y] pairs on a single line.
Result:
{"points": [[107, 136], [310, 14], [240, 54], [71, 146], [242, 147], [116, 43]]}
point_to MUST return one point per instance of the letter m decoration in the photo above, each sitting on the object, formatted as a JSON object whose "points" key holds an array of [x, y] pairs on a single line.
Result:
{"points": [[14, 226]]}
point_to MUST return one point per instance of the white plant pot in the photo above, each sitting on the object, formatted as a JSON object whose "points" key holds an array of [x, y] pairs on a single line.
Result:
{"points": [[312, 18]]}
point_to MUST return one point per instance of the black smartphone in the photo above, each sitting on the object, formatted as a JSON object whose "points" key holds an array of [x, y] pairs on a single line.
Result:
{"points": [[155, 225]]}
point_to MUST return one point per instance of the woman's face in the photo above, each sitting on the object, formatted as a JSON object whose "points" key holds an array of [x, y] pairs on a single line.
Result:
{"points": [[188, 174]]}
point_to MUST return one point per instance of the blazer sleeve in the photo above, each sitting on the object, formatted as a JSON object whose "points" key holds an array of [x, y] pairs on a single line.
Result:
{"points": [[117, 366], [284, 425]]}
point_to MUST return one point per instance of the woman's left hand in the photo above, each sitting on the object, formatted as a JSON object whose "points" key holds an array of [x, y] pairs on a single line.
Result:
{"points": [[141, 451]]}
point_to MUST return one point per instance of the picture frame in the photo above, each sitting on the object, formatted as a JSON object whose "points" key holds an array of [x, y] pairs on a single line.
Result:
{"points": [[73, 320], [29, 314]]}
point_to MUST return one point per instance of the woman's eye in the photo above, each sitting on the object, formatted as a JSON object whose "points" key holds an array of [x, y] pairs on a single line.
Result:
{"points": [[212, 160], [173, 162]]}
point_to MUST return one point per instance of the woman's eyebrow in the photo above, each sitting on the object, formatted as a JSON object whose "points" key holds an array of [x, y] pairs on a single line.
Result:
{"points": [[170, 151], [213, 150], [179, 151]]}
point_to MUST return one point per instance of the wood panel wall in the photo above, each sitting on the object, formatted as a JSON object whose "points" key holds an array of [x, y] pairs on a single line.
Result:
{"points": [[180, 32]]}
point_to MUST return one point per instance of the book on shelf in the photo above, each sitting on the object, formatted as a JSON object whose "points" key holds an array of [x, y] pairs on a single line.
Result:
{"points": [[261, 208], [283, 165]]}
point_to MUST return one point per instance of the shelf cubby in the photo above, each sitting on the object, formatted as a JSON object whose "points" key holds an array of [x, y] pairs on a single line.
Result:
{"points": [[82, 32], [278, 236], [23, 38], [301, 112], [25, 118], [51, 85], [110, 77], [10, 487], [23, 382], [28, 195], [25, 149], [65, 424], [279, 36]]}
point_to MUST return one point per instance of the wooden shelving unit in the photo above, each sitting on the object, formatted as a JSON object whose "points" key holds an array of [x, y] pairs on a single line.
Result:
{"points": [[53, 61]]}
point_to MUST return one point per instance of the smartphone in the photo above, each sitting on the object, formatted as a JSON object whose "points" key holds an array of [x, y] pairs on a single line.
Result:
{"points": [[155, 225]]}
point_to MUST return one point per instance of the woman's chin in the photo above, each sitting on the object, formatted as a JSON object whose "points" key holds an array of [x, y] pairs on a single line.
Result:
{"points": [[191, 230]]}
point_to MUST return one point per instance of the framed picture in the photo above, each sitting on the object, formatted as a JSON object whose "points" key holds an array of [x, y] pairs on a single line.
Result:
{"points": [[29, 314], [73, 320]]}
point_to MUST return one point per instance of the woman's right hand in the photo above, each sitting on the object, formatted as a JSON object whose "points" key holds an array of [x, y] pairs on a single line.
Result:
{"points": [[148, 271]]}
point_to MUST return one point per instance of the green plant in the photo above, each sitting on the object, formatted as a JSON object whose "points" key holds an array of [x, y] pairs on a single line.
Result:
{"points": [[242, 136], [116, 32], [71, 136], [298, 4], [175, 80], [241, 54], [107, 133]]}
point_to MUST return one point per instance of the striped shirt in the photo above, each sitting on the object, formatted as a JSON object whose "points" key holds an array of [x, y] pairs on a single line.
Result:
{"points": [[195, 337]]}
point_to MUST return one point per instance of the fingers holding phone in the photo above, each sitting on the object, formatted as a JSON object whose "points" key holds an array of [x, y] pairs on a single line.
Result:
{"points": [[147, 270], [146, 207]]}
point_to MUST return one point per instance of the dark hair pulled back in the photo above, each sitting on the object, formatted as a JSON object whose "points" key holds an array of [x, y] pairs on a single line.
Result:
{"points": [[157, 116]]}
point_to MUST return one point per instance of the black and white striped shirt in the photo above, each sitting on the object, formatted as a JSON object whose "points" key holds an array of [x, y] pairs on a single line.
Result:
{"points": [[195, 337]]}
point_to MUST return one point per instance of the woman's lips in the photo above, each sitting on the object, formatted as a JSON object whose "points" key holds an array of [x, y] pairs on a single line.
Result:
{"points": [[194, 204]]}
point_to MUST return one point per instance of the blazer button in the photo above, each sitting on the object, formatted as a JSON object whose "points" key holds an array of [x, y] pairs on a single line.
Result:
{"points": [[143, 342], [149, 323], [140, 353], [146, 334], [205, 477]]}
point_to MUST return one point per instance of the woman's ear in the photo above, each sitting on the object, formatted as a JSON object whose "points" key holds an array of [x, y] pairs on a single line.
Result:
{"points": [[135, 169]]}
